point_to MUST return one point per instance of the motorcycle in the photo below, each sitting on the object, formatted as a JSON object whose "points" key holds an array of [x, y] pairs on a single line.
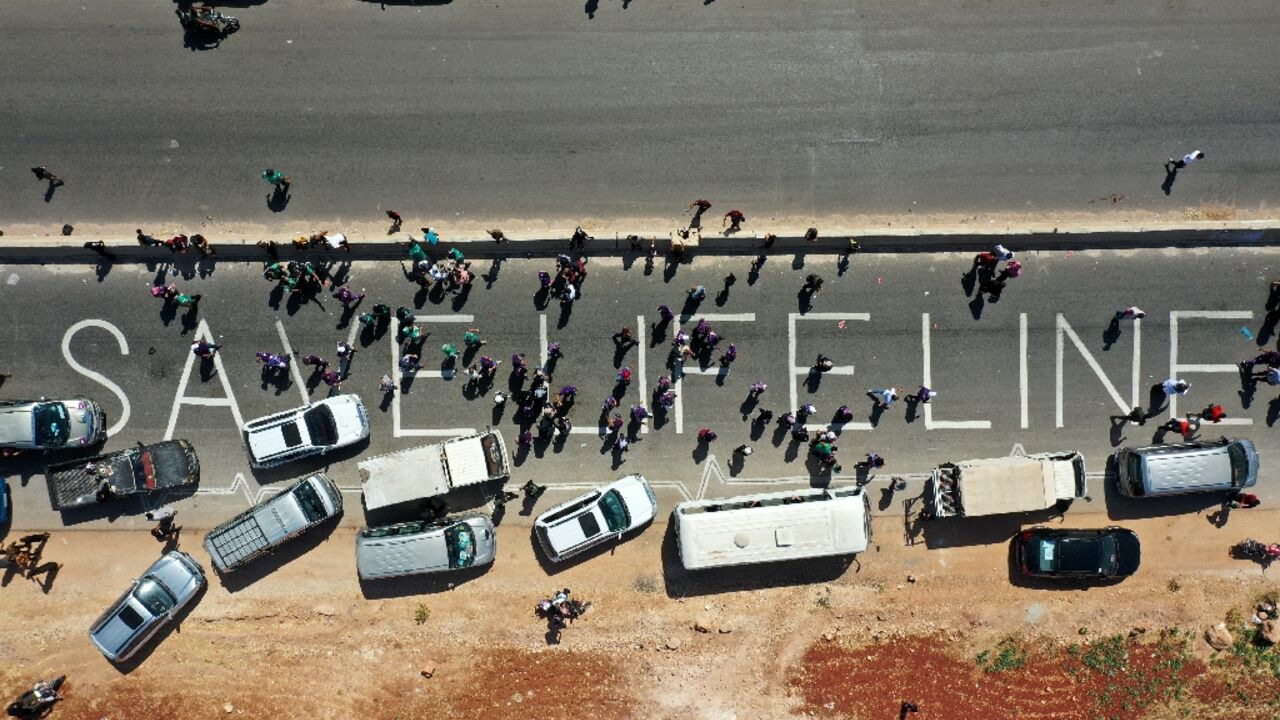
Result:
{"points": [[38, 699], [201, 18], [561, 608], [1250, 549]]}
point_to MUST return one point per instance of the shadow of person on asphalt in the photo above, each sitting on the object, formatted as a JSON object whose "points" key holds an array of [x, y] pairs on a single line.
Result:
{"points": [[1111, 334], [278, 200], [1170, 174], [591, 7]]}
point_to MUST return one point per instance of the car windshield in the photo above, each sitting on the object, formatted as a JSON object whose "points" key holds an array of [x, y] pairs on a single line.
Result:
{"points": [[154, 596], [1239, 464], [52, 424], [614, 511], [310, 502], [461, 542], [320, 424], [1135, 474]]}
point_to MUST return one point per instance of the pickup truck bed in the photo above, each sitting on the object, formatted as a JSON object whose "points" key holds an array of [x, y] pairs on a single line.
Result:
{"points": [[138, 470]]}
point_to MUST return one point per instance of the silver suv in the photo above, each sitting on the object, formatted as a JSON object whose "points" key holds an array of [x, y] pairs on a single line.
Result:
{"points": [[151, 603], [51, 424]]}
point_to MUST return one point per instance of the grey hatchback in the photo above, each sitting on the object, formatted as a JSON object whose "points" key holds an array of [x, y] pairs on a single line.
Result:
{"points": [[150, 604]]}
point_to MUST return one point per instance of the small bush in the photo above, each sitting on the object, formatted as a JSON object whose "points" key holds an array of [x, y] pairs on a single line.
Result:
{"points": [[1006, 655], [645, 584], [422, 614]]}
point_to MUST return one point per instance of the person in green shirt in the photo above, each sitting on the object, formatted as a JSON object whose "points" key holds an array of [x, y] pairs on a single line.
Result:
{"points": [[186, 300], [450, 350], [471, 338], [416, 253], [410, 332], [456, 254]]}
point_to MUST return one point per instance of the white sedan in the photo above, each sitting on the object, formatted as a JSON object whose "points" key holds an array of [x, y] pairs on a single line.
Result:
{"points": [[313, 429], [602, 515]]}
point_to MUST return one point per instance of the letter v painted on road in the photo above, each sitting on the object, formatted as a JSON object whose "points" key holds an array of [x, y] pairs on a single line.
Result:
{"points": [[929, 422], [181, 398]]}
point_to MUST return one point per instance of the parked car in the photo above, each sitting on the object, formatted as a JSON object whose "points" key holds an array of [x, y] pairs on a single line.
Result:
{"points": [[312, 429], [1111, 552], [602, 515], [139, 470], [273, 522], [151, 603], [51, 424], [419, 547]]}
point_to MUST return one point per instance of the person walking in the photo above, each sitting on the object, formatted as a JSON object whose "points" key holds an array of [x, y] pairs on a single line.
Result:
{"points": [[1214, 413], [279, 180], [471, 338], [315, 361], [758, 388], [498, 236], [1174, 165], [925, 395], [699, 206], [743, 450], [624, 339], [734, 219], [579, 239], [764, 416], [706, 435], [884, 397], [1133, 312], [823, 364], [332, 378], [273, 361], [409, 362], [396, 221], [697, 293], [163, 517], [344, 350], [1174, 386], [347, 296], [811, 235], [729, 356], [812, 284], [532, 490], [42, 173], [146, 240], [204, 349], [1185, 426], [185, 300], [1244, 501], [387, 385]]}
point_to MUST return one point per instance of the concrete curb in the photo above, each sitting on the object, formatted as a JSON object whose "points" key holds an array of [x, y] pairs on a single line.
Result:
{"points": [[1260, 233]]}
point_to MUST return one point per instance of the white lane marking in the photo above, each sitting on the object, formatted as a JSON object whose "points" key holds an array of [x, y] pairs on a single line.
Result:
{"points": [[1175, 368], [643, 349], [180, 397], [1064, 329], [1022, 367], [542, 339], [719, 317], [351, 334], [293, 362], [98, 377], [794, 372], [679, 371], [929, 422], [396, 423]]}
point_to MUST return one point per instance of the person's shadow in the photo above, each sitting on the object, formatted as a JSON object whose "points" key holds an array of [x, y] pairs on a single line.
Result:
{"points": [[278, 200], [1170, 174], [1218, 518], [592, 6], [49, 191], [1111, 334]]}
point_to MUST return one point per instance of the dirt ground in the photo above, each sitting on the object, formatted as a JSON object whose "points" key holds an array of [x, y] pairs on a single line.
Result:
{"points": [[300, 638]]}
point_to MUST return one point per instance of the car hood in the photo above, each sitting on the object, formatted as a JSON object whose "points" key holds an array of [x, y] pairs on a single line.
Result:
{"points": [[349, 417], [179, 573], [1128, 553], [640, 506], [113, 635], [486, 540]]}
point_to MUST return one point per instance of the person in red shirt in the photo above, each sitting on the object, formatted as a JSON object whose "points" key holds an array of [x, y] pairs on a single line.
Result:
{"points": [[1245, 500], [1214, 413], [735, 219]]}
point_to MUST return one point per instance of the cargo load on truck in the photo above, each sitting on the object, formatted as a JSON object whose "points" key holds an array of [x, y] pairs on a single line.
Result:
{"points": [[137, 471], [1022, 483], [431, 470]]}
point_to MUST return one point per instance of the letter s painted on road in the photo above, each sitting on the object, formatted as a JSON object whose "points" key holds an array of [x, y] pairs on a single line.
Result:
{"points": [[96, 376]]}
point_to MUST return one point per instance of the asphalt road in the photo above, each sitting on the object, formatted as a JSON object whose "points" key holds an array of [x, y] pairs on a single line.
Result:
{"points": [[886, 320], [537, 110]]}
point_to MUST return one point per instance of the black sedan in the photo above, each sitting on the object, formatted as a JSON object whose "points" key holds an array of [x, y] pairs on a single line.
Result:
{"points": [[1112, 552]]}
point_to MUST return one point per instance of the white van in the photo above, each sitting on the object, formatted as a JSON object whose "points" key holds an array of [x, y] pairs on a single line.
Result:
{"points": [[767, 527]]}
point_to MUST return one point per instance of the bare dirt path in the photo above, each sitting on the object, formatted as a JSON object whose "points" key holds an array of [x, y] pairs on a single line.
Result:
{"points": [[304, 641]]}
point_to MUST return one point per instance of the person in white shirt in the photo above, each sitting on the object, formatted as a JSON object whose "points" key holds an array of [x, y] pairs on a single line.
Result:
{"points": [[1186, 160]]}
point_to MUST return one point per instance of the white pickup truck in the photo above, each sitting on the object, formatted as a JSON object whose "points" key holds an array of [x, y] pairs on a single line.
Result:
{"points": [[428, 471], [1021, 483]]}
